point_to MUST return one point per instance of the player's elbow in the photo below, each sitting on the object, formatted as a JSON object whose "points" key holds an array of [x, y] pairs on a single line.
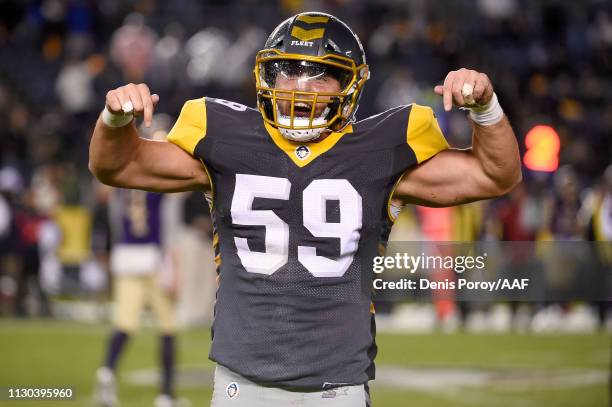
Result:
{"points": [[518, 178], [105, 176], [100, 175], [505, 184]]}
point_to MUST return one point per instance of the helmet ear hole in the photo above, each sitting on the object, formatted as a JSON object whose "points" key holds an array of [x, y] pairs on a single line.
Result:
{"points": [[279, 43], [364, 73]]}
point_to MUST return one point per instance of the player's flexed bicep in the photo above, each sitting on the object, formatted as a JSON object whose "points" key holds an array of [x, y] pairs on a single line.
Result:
{"points": [[489, 169], [119, 157]]}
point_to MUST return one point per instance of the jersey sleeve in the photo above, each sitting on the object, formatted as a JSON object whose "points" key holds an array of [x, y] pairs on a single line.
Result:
{"points": [[423, 133], [190, 127]]}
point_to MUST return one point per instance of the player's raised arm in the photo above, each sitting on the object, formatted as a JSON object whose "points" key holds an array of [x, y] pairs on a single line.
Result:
{"points": [[489, 169], [120, 158]]}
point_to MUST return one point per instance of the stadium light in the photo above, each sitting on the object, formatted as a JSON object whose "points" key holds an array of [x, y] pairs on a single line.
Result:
{"points": [[542, 143]]}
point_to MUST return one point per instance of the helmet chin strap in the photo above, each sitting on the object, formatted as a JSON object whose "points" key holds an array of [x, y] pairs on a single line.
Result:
{"points": [[302, 135]]}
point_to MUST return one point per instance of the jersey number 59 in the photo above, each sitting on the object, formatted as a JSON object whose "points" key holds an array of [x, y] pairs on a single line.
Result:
{"points": [[314, 197]]}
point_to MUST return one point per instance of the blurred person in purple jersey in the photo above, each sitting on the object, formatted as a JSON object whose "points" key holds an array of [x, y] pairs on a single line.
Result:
{"points": [[144, 275]]}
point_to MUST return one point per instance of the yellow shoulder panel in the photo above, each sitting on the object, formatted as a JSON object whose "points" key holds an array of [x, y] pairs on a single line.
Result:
{"points": [[190, 127], [423, 134]]}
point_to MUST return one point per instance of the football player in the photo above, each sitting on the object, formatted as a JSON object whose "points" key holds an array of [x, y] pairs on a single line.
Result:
{"points": [[300, 193], [138, 262]]}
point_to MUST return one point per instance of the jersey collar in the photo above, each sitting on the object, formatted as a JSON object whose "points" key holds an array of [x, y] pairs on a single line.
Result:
{"points": [[297, 153]]}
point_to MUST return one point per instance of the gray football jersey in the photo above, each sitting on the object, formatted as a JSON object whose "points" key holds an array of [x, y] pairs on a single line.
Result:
{"points": [[297, 226]]}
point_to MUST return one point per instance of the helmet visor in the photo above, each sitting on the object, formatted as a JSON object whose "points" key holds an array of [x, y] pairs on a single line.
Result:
{"points": [[300, 75], [306, 92]]}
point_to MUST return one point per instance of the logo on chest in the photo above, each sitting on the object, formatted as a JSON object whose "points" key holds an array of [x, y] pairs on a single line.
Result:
{"points": [[302, 152]]}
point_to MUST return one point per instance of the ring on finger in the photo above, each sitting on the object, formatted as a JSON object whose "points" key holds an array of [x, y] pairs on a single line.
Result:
{"points": [[127, 107], [468, 93]]}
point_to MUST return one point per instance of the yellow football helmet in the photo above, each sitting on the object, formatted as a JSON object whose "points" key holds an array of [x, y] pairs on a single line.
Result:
{"points": [[293, 72]]}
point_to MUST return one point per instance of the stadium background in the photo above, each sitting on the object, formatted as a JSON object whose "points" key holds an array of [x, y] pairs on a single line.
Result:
{"points": [[550, 62]]}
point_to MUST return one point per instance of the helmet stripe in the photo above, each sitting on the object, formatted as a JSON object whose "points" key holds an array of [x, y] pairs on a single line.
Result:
{"points": [[307, 35], [312, 19]]}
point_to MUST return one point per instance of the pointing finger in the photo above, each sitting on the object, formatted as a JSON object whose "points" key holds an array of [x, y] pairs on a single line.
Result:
{"points": [[147, 102], [447, 96]]}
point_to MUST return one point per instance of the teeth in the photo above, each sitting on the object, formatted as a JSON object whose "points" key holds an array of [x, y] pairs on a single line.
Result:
{"points": [[302, 104]]}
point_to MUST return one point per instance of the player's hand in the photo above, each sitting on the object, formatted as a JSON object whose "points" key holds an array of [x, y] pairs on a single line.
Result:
{"points": [[133, 99], [465, 88]]}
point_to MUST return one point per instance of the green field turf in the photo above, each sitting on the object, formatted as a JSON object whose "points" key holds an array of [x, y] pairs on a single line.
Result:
{"points": [[522, 370]]}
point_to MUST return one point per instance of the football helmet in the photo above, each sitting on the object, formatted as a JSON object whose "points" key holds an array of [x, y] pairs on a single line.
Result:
{"points": [[297, 71]]}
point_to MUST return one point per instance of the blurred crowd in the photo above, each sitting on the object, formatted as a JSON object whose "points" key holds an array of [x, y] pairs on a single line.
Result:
{"points": [[550, 62]]}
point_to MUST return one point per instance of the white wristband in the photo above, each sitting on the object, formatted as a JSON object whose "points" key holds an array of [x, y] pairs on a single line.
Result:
{"points": [[116, 120], [489, 114]]}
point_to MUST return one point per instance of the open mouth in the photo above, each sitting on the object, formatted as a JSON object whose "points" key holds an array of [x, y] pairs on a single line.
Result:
{"points": [[302, 109]]}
